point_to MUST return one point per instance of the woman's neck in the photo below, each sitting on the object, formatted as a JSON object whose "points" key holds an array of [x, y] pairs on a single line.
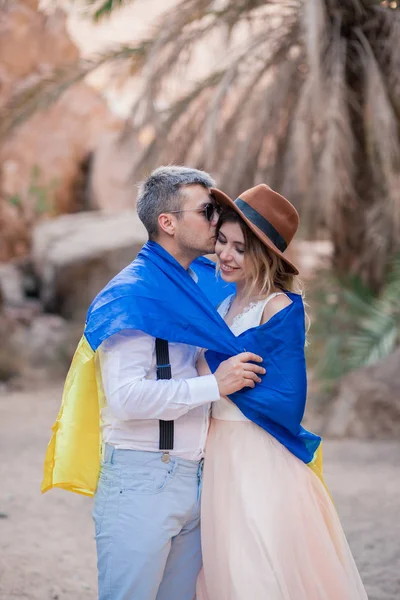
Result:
{"points": [[241, 295], [242, 298]]}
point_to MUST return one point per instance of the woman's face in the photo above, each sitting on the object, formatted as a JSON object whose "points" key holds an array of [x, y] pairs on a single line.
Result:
{"points": [[230, 249]]}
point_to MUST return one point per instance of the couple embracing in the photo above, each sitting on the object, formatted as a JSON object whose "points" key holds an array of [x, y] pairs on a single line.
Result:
{"points": [[208, 486]]}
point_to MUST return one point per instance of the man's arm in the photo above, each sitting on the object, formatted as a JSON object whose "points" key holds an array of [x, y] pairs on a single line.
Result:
{"points": [[125, 361]]}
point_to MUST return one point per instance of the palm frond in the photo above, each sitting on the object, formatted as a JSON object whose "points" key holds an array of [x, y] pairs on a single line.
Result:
{"points": [[330, 364], [171, 120], [274, 166], [377, 338], [383, 141], [223, 134], [336, 165], [360, 327], [47, 90], [212, 118], [352, 327], [247, 147], [152, 153], [357, 298], [104, 8], [330, 136], [184, 28], [393, 277], [392, 52], [315, 35]]}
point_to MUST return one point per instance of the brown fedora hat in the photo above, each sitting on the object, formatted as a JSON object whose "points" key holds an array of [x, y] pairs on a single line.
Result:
{"points": [[269, 216]]}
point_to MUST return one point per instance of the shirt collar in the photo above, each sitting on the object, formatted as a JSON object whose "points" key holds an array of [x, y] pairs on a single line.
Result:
{"points": [[193, 275]]}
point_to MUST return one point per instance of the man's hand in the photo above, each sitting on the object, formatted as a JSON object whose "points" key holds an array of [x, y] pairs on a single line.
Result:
{"points": [[237, 372]]}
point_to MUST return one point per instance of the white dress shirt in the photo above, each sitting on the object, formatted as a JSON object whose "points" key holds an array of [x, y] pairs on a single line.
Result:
{"points": [[135, 400]]}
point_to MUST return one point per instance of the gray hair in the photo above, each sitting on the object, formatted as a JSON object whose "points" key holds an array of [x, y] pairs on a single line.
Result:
{"points": [[161, 193]]}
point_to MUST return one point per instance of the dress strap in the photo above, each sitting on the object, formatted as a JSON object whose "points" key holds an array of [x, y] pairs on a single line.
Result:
{"points": [[263, 303], [272, 296]]}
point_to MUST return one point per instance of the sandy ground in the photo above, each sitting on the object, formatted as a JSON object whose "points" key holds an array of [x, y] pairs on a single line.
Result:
{"points": [[47, 550]]}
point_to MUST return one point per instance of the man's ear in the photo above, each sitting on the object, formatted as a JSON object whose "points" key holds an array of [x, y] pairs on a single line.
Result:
{"points": [[167, 223]]}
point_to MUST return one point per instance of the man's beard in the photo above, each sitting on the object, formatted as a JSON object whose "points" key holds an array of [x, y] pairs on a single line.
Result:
{"points": [[210, 249], [201, 249]]}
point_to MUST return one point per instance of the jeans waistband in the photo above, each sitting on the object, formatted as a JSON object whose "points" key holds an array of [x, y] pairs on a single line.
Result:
{"points": [[122, 457]]}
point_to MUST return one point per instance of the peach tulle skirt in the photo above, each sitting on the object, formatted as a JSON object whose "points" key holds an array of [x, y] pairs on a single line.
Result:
{"points": [[269, 527]]}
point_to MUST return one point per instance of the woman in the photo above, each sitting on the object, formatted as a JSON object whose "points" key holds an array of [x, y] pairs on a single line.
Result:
{"points": [[269, 528]]}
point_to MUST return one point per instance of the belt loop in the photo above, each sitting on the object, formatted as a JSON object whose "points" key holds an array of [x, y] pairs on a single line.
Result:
{"points": [[108, 453], [200, 469], [200, 479], [175, 464]]}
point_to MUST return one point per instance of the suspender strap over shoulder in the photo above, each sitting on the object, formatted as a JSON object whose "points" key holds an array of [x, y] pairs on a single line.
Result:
{"points": [[164, 372]]}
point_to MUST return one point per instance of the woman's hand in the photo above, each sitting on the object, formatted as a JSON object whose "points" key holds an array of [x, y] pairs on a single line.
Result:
{"points": [[238, 372]]}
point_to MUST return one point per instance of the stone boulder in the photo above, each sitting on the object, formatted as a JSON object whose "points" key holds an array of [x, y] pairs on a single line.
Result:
{"points": [[45, 346], [9, 356], [24, 26], [11, 285], [367, 404], [111, 172], [45, 160], [74, 256], [33, 345]]}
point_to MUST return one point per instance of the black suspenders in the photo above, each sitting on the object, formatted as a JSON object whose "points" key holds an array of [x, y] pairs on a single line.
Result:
{"points": [[164, 372]]}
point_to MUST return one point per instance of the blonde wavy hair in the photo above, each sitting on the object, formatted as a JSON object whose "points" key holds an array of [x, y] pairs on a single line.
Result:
{"points": [[264, 270]]}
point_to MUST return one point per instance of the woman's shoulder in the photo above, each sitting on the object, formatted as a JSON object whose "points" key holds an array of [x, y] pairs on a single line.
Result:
{"points": [[274, 304]]}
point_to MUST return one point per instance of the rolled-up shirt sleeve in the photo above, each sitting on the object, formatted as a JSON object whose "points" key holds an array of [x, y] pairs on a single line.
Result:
{"points": [[125, 362]]}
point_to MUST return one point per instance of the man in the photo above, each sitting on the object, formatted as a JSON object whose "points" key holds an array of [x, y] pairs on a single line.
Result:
{"points": [[147, 505]]}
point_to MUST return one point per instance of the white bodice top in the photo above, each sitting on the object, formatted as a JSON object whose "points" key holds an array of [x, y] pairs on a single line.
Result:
{"points": [[224, 409]]}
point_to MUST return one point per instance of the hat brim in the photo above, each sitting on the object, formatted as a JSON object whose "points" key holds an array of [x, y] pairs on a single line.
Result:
{"points": [[224, 200]]}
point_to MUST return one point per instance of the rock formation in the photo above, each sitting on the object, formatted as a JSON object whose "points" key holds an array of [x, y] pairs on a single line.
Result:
{"points": [[44, 160], [367, 404]]}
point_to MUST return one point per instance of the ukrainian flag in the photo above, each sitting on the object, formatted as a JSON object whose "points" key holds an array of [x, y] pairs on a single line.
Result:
{"points": [[156, 295]]}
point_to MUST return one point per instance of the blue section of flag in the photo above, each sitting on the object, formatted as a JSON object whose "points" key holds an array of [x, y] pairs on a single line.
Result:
{"points": [[155, 294]]}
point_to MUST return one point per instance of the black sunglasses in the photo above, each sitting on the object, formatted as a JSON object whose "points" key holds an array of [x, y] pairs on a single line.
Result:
{"points": [[208, 210]]}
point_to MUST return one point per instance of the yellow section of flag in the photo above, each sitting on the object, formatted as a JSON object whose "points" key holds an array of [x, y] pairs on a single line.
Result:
{"points": [[72, 459]]}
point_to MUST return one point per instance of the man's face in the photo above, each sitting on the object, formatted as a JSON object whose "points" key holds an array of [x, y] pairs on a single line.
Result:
{"points": [[194, 232]]}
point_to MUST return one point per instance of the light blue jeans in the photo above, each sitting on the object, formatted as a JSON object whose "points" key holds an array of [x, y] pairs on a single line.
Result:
{"points": [[147, 521]]}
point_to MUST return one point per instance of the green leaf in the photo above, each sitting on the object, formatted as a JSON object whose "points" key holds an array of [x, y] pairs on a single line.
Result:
{"points": [[351, 327], [106, 8], [15, 200]]}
